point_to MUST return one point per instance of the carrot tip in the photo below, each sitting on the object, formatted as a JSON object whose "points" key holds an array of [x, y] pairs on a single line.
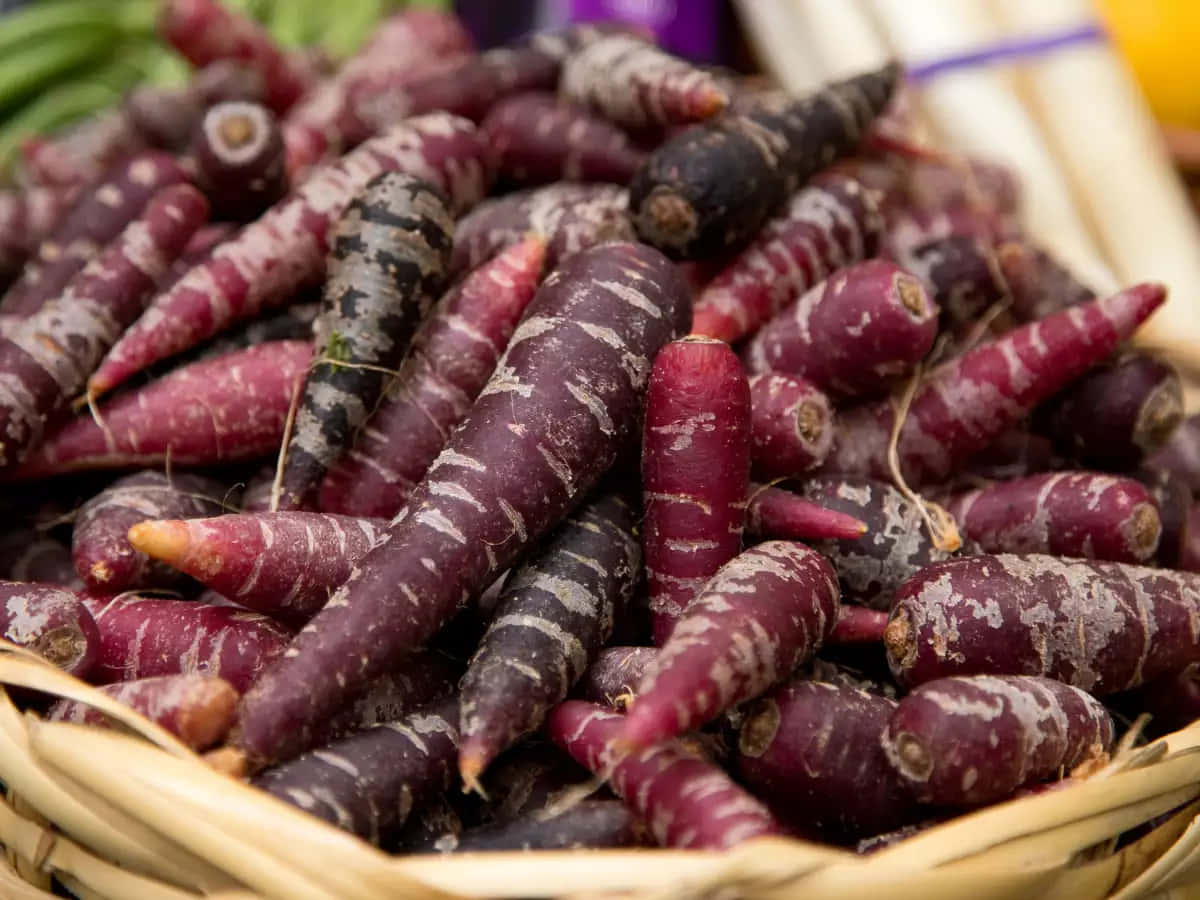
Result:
{"points": [[165, 539], [228, 761], [470, 768]]}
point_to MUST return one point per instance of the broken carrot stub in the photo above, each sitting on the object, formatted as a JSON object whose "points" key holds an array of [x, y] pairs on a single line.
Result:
{"points": [[283, 564], [105, 558], [710, 189], [562, 405], [387, 267], [238, 154], [977, 739], [52, 622], [614, 675], [763, 613], [792, 427], [696, 442], [779, 513], [1099, 626], [1081, 514]]}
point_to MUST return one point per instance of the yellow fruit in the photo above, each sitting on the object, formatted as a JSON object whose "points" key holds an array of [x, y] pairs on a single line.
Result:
{"points": [[1161, 40]]}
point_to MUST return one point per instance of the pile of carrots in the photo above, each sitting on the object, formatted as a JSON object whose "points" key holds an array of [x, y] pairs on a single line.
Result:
{"points": [[441, 432]]}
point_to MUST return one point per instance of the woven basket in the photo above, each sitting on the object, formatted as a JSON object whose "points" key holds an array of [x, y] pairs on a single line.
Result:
{"points": [[132, 814]]}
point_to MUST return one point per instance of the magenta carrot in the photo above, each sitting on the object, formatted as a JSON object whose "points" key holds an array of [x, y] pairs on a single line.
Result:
{"points": [[387, 266], [695, 471], [828, 225], [264, 265], [765, 612], [144, 636], [779, 513], [555, 614], [858, 625], [51, 622], [450, 360], [104, 557], [238, 154], [27, 217], [852, 335], [27, 554], [570, 217], [975, 398], [100, 214], [46, 360], [563, 403], [614, 675], [198, 709], [687, 801], [968, 740], [78, 155], [812, 751], [1102, 627], [792, 428], [1084, 514], [205, 31], [283, 564], [227, 409], [537, 138]]}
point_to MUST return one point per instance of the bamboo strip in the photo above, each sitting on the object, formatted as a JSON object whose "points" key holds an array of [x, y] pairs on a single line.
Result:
{"points": [[782, 47], [844, 38], [14, 887]]}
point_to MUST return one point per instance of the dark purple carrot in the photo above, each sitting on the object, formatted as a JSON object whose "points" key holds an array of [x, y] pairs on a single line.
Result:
{"points": [[368, 783], [970, 740], [765, 612], [858, 625], [238, 154], [283, 564], [570, 217], [227, 409], [167, 117], [562, 405], [792, 425], [635, 84], [973, 399], [962, 275], [269, 260], [812, 751], [197, 709], [1102, 627], [435, 825], [852, 335], [1172, 701], [830, 224], [1189, 556], [27, 554], [686, 801], [1180, 455], [779, 513], [614, 675], [450, 360], [586, 825], [387, 266], [695, 471], [711, 188], [895, 547], [1173, 499], [292, 323], [1115, 415], [100, 215], [1014, 454], [144, 636], [555, 614], [1037, 285], [27, 217], [1082, 514], [51, 622], [100, 545], [537, 138], [530, 777]]}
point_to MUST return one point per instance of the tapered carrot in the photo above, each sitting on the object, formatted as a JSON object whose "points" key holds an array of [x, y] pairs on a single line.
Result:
{"points": [[775, 512]]}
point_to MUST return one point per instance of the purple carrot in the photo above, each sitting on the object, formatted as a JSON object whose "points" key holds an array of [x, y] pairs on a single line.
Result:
{"points": [[1102, 627], [100, 545], [292, 323], [962, 276], [614, 675], [695, 471], [528, 778], [858, 625], [1180, 455], [27, 554], [1037, 285], [451, 358], [852, 335], [687, 801], [792, 425], [1014, 454], [1172, 701], [264, 265], [1173, 499], [238, 154], [1189, 556], [586, 825], [563, 403], [51, 622], [78, 155], [975, 398], [27, 217], [283, 564], [765, 612], [779, 513], [970, 740]]}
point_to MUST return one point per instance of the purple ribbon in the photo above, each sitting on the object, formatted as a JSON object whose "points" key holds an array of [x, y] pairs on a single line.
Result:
{"points": [[1023, 48]]}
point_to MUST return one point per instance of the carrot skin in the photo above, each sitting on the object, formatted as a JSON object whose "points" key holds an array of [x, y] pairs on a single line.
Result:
{"points": [[1189, 556], [614, 675], [453, 354], [779, 513], [27, 554], [79, 155], [962, 276], [238, 154], [100, 547], [51, 622], [765, 612], [27, 217], [603, 314], [969, 740], [975, 398], [853, 334], [792, 427], [1180, 455], [589, 824], [858, 625], [1026, 615], [529, 778], [226, 409], [687, 802], [1037, 285], [695, 471], [555, 614], [1172, 701], [1014, 454], [1173, 500], [830, 224], [268, 261], [197, 709]]}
